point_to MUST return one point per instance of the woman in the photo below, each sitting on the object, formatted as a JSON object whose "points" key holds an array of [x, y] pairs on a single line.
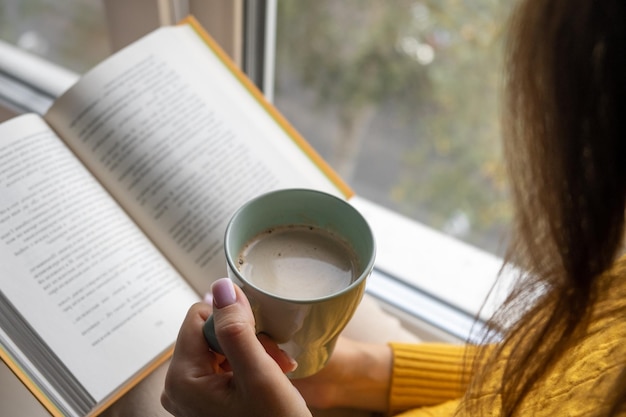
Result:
{"points": [[561, 347]]}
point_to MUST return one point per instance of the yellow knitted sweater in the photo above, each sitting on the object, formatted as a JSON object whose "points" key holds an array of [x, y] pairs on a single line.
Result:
{"points": [[427, 378]]}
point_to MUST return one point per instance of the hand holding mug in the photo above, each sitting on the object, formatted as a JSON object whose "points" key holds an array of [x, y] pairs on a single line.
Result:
{"points": [[248, 381]]}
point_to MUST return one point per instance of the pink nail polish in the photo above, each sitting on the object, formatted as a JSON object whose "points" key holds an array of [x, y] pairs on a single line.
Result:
{"points": [[223, 293]]}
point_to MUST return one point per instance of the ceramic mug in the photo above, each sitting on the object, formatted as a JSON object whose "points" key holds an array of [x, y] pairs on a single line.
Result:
{"points": [[306, 328]]}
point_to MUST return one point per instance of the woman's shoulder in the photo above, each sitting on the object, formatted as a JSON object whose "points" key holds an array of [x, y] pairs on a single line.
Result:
{"points": [[589, 370]]}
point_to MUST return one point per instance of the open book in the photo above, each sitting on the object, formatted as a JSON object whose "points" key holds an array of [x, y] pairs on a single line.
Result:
{"points": [[113, 208]]}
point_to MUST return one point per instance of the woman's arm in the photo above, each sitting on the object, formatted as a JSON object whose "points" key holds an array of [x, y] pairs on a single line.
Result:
{"points": [[358, 375], [393, 377]]}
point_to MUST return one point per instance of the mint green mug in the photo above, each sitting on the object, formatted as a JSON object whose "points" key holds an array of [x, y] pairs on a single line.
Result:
{"points": [[304, 308]]}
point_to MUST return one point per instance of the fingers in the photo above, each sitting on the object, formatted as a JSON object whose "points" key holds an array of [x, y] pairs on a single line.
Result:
{"points": [[234, 327], [192, 360], [285, 362], [190, 349], [237, 326], [196, 383], [257, 375]]}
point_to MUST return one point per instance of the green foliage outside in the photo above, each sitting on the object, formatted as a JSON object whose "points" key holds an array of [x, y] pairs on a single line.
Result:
{"points": [[434, 65]]}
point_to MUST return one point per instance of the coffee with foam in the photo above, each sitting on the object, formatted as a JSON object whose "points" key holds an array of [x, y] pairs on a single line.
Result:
{"points": [[298, 262]]}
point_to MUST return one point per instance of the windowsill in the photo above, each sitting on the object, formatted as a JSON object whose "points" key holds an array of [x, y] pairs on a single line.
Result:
{"points": [[443, 266], [420, 272], [46, 77], [429, 275]]}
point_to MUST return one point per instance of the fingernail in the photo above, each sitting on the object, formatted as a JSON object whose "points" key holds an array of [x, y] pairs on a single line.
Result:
{"points": [[292, 361], [208, 298], [223, 293]]}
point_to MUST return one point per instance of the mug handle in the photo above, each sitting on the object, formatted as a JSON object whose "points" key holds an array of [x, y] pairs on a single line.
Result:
{"points": [[209, 334]]}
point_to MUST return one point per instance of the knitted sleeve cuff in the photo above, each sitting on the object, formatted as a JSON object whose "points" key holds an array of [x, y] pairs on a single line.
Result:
{"points": [[428, 374]]}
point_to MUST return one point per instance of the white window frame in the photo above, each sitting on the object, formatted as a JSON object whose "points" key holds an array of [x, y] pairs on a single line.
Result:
{"points": [[434, 283]]}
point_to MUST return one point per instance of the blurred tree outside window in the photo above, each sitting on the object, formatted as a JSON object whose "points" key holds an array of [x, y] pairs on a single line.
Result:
{"points": [[401, 97], [70, 33]]}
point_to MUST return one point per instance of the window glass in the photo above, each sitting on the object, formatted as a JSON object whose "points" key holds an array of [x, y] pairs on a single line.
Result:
{"points": [[402, 99], [71, 33]]}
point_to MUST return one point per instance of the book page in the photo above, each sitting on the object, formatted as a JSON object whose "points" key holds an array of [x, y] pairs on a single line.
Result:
{"points": [[100, 299], [181, 144]]}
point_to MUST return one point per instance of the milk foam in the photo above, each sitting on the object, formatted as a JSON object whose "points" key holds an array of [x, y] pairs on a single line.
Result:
{"points": [[298, 262]]}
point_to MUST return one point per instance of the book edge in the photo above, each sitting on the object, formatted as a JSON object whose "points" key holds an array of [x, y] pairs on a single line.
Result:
{"points": [[100, 407], [330, 173]]}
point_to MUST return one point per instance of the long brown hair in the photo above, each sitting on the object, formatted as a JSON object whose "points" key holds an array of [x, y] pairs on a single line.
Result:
{"points": [[564, 130]]}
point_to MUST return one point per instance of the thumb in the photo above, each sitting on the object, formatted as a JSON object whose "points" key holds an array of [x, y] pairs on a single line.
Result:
{"points": [[257, 378], [235, 331]]}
